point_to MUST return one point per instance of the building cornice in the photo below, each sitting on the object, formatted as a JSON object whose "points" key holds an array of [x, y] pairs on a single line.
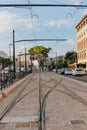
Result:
{"points": [[81, 21]]}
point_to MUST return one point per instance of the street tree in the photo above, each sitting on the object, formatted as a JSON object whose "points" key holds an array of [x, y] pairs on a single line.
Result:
{"points": [[71, 57], [41, 53], [39, 50], [5, 62]]}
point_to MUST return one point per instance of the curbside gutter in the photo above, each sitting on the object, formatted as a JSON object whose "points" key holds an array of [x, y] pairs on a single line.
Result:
{"points": [[12, 87]]}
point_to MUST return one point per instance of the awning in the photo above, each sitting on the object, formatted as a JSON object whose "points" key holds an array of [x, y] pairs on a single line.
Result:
{"points": [[72, 65]]}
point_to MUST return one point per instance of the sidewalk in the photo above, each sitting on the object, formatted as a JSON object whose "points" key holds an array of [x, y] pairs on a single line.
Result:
{"points": [[12, 87]]}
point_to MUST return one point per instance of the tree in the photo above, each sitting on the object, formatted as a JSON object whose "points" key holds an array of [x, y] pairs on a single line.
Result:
{"points": [[5, 62], [41, 52], [60, 63], [71, 57], [64, 61]]}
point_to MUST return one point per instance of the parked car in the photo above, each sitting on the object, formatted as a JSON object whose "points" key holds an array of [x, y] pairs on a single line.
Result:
{"points": [[54, 70], [78, 71], [68, 71], [20, 69]]}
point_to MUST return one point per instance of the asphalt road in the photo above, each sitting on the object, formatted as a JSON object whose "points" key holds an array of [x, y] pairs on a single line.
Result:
{"points": [[80, 78]]}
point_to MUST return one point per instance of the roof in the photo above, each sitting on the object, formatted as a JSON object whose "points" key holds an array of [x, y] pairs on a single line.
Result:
{"points": [[3, 54]]}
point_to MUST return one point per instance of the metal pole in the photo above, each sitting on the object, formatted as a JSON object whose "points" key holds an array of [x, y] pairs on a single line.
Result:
{"points": [[20, 63], [31, 63], [25, 62], [14, 53]]}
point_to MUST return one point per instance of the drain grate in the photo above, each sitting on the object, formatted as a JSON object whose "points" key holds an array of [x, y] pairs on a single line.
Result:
{"points": [[77, 122]]}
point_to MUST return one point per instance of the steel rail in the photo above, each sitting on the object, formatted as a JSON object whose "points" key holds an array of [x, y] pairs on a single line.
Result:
{"points": [[72, 94], [68, 92], [11, 104], [22, 97], [43, 102]]}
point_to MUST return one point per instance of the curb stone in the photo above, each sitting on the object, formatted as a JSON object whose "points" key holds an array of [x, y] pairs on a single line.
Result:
{"points": [[7, 91]]}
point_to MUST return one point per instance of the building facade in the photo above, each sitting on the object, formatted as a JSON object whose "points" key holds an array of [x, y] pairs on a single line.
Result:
{"points": [[29, 62], [26, 61], [82, 42]]}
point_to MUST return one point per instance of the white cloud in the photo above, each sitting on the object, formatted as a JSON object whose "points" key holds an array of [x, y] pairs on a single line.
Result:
{"points": [[10, 21], [6, 19], [76, 2], [58, 23]]}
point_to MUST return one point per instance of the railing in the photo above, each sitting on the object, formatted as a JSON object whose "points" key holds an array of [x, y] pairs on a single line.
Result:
{"points": [[7, 79]]}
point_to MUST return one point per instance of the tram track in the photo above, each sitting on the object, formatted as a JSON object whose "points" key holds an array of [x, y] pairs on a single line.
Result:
{"points": [[48, 83], [13, 101], [68, 91]]}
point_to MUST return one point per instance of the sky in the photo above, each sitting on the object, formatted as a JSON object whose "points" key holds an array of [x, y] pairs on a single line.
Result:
{"points": [[40, 22]]}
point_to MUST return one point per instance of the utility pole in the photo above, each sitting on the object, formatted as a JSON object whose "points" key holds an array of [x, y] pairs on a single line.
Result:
{"points": [[25, 62], [31, 61], [20, 63], [14, 53]]}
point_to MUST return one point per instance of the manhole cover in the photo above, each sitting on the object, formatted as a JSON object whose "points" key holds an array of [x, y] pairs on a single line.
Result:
{"points": [[77, 122]]}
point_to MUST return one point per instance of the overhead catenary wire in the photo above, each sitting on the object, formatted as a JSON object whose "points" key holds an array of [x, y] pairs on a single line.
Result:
{"points": [[50, 39], [43, 5]]}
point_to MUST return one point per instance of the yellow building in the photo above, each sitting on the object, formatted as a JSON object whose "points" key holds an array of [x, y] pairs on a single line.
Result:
{"points": [[82, 42]]}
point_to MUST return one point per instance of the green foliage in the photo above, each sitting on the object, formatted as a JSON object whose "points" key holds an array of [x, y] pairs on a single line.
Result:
{"points": [[5, 62], [71, 57], [63, 62], [39, 50]]}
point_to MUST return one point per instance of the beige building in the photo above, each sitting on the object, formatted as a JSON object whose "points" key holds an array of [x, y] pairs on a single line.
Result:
{"points": [[26, 61], [82, 42]]}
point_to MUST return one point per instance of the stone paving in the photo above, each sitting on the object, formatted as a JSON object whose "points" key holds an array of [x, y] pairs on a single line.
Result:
{"points": [[66, 105]]}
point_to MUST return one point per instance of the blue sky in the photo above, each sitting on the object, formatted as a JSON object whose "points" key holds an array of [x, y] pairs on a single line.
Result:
{"points": [[40, 22]]}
